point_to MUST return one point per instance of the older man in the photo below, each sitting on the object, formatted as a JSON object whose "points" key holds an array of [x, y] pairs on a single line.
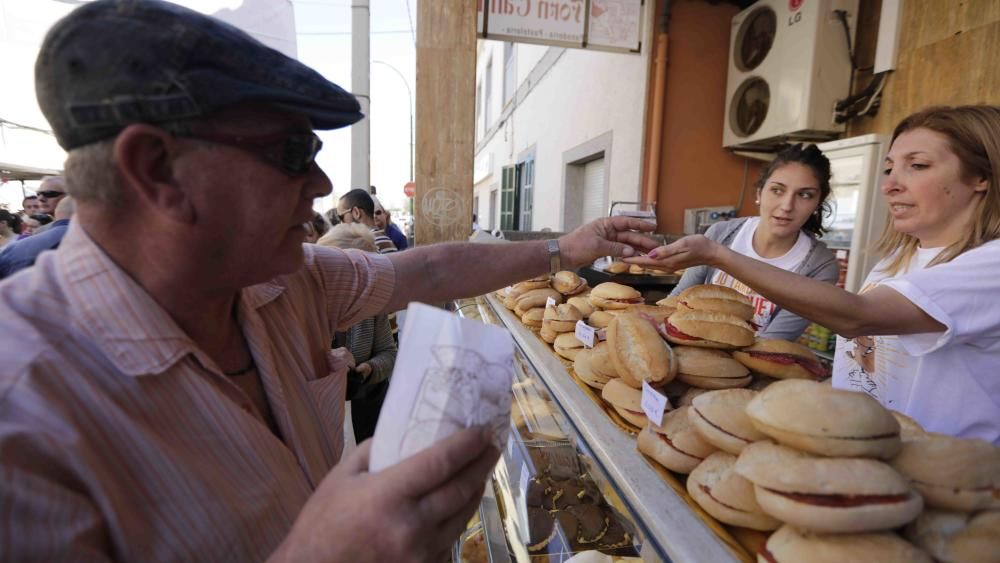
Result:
{"points": [[50, 192], [165, 391]]}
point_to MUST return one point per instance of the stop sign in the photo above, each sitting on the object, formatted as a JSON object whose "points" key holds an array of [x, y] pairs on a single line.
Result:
{"points": [[410, 189]]}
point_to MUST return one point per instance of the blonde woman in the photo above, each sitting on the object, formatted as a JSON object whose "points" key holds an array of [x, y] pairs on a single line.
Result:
{"points": [[923, 336], [369, 346]]}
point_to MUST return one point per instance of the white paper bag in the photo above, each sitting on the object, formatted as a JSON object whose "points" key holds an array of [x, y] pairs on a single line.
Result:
{"points": [[451, 373]]}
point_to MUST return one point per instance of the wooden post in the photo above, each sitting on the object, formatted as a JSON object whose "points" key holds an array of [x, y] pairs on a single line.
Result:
{"points": [[446, 113]]}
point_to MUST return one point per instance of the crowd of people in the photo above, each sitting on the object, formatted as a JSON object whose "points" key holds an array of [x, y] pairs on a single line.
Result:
{"points": [[39, 226], [175, 374]]}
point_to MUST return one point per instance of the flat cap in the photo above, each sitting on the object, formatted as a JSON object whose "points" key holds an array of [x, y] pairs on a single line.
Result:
{"points": [[110, 63]]}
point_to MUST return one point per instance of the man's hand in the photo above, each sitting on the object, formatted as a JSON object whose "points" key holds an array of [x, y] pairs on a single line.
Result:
{"points": [[609, 236], [693, 250], [364, 369], [412, 511], [344, 356]]}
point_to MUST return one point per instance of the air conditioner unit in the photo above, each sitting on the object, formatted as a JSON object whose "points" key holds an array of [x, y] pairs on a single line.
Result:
{"points": [[789, 64]]}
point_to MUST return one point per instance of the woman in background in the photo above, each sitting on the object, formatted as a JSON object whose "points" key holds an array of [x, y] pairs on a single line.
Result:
{"points": [[792, 195], [923, 336], [370, 348]]}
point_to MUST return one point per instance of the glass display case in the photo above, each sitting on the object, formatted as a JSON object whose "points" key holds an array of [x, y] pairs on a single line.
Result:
{"points": [[571, 485]]}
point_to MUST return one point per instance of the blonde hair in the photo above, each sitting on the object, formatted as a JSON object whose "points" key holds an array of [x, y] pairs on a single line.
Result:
{"points": [[973, 134], [349, 235]]}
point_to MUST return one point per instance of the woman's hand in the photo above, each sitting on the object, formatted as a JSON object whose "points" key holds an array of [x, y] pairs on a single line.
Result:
{"points": [[693, 250]]}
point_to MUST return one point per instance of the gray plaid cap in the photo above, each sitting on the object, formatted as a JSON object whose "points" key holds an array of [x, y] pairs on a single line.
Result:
{"points": [[114, 62]]}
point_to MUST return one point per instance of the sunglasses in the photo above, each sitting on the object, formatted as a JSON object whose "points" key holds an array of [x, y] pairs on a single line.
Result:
{"points": [[293, 153], [378, 212], [51, 194], [344, 214]]}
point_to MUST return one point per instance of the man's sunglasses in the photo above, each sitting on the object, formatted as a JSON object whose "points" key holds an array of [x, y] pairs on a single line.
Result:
{"points": [[341, 216], [294, 153], [50, 194]]}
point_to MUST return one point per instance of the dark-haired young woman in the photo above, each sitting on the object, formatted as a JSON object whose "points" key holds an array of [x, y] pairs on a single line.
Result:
{"points": [[792, 196]]}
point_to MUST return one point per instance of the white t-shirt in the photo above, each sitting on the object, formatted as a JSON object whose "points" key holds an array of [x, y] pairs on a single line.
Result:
{"points": [[947, 381], [791, 260]]}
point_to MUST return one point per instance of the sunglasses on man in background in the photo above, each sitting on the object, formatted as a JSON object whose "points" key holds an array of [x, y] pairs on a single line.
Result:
{"points": [[50, 194]]}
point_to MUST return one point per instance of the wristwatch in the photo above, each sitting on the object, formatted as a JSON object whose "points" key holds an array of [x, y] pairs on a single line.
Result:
{"points": [[555, 259]]}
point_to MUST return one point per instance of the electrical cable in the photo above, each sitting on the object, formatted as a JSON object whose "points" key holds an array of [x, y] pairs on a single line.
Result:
{"points": [[842, 15]]}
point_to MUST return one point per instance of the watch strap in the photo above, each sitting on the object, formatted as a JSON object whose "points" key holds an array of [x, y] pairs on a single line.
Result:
{"points": [[555, 258]]}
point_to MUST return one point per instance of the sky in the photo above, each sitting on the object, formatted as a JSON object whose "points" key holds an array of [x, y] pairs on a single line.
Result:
{"points": [[323, 29]]}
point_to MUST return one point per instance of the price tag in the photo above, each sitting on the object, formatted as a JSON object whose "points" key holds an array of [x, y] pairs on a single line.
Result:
{"points": [[585, 334], [653, 403], [602, 334], [550, 302]]}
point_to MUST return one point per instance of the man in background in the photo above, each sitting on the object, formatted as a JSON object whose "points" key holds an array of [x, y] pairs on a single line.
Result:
{"points": [[30, 205], [357, 206], [52, 190], [23, 253]]}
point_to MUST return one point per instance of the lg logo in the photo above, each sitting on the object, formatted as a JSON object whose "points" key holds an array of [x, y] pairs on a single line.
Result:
{"points": [[793, 6]]}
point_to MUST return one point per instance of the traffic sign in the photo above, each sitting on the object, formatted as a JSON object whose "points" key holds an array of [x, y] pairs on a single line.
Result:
{"points": [[410, 189]]}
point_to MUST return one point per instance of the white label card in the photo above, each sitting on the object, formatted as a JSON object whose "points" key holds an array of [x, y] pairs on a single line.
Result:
{"points": [[602, 334], [550, 302], [585, 334], [653, 403]]}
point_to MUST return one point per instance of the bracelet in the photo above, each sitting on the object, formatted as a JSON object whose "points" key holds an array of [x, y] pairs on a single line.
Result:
{"points": [[555, 258]]}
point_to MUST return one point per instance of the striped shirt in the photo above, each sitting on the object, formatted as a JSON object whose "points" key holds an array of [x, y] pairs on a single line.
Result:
{"points": [[383, 242], [121, 440]]}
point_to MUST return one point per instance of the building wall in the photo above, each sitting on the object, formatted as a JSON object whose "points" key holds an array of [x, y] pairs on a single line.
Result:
{"points": [[567, 100], [948, 53], [695, 171]]}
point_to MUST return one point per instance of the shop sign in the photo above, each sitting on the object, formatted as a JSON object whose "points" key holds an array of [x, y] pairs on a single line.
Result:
{"points": [[611, 25]]}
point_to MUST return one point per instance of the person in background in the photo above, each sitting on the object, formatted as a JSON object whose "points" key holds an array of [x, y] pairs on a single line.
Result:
{"points": [[793, 195], [34, 224], [23, 253], [475, 223], [316, 228], [358, 206], [369, 346], [29, 206], [166, 391], [50, 192], [923, 335], [10, 227], [384, 221]]}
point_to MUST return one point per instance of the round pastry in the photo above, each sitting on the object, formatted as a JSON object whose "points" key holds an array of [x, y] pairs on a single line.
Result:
{"points": [[601, 319], [675, 444], [789, 545], [536, 298], [617, 267], [687, 399], [952, 473], [720, 417], [726, 495], [626, 401], [828, 495], [610, 295], [563, 318], [533, 317], [957, 537], [582, 304], [636, 270], [909, 429], [568, 283], [583, 366], [567, 345], [710, 369], [716, 299], [706, 329], [533, 283], [822, 420], [547, 334], [781, 359]]}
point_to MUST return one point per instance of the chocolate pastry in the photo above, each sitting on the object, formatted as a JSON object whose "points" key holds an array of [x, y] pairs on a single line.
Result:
{"points": [[593, 523], [571, 492], [568, 522], [536, 493], [616, 536], [541, 529]]}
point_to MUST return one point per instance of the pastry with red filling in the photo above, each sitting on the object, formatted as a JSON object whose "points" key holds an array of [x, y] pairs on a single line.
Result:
{"points": [[781, 359], [726, 495], [825, 421], [720, 417], [638, 352], [610, 295], [710, 369], [675, 444], [789, 545], [952, 473], [828, 495], [717, 299], [705, 329], [626, 401]]}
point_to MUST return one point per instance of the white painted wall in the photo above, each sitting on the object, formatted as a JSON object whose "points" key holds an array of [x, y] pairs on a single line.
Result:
{"points": [[584, 95]]}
